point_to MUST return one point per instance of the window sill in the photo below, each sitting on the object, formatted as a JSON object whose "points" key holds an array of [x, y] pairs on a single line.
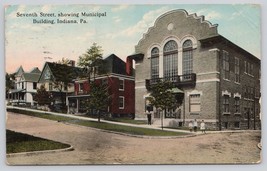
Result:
{"points": [[238, 83], [226, 113], [121, 89], [194, 113], [238, 114], [226, 80]]}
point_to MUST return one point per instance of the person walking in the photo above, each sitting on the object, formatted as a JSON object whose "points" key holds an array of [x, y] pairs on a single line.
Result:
{"points": [[195, 125], [203, 127], [190, 125], [148, 117]]}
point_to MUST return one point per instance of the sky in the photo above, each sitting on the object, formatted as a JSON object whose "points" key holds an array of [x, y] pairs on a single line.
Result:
{"points": [[30, 45]]}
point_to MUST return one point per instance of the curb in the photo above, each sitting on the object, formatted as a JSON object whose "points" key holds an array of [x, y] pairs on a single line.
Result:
{"points": [[39, 152], [133, 135]]}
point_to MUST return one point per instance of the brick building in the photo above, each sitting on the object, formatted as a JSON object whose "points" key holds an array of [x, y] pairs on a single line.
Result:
{"points": [[120, 87], [219, 81]]}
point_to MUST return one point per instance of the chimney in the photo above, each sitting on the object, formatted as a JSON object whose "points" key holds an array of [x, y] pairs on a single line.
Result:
{"points": [[71, 63], [129, 66]]}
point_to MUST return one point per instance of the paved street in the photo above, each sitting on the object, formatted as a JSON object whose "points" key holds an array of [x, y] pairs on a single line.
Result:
{"points": [[93, 146]]}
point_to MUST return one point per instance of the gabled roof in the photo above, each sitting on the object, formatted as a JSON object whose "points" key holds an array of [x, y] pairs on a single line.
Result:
{"points": [[20, 71], [35, 70], [61, 72]]}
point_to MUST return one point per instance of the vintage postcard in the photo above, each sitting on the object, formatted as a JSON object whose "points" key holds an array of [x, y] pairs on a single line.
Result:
{"points": [[133, 84]]}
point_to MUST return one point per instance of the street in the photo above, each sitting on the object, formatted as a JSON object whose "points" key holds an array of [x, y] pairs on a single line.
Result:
{"points": [[93, 146]]}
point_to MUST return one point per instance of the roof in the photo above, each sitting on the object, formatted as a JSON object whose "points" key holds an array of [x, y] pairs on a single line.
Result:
{"points": [[31, 77], [114, 64], [220, 39], [20, 71], [62, 72], [36, 70]]}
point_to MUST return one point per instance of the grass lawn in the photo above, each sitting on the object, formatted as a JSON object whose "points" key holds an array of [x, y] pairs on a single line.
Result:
{"points": [[102, 125], [18, 142], [127, 120]]}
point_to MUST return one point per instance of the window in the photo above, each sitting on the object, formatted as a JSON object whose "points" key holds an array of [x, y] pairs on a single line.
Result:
{"points": [[226, 67], [237, 76], [121, 102], [194, 101], [170, 60], [80, 88], [225, 124], [246, 69], [237, 124], [187, 58], [34, 85], [226, 104], [155, 63], [237, 105], [22, 85], [121, 86], [245, 92]]}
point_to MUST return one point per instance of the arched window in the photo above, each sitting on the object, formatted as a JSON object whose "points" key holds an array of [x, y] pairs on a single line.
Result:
{"points": [[170, 60], [187, 58], [155, 63]]}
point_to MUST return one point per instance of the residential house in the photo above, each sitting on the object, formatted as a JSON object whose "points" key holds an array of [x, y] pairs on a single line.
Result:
{"points": [[58, 80], [26, 84], [120, 83]]}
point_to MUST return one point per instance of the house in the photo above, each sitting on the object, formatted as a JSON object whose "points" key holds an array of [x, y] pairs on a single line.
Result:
{"points": [[219, 81], [120, 83], [58, 80], [26, 84]]}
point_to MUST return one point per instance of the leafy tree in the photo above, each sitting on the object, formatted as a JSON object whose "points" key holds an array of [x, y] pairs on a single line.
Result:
{"points": [[99, 98], [9, 82], [64, 76], [92, 61], [43, 97], [162, 97]]}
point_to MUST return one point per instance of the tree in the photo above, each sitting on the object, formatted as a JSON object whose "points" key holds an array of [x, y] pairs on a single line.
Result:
{"points": [[99, 98], [64, 76], [92, 61], [43, 97], [9, 82], [162, 97]]}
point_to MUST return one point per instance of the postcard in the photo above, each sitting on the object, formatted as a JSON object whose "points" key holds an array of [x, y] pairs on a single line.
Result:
{"points": [[133, 84]]}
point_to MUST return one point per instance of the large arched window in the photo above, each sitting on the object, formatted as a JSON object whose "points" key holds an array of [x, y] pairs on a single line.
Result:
{"points": [[187, 58], [170, 60], [155, 63]]}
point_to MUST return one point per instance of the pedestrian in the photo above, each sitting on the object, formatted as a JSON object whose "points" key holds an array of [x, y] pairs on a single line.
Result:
{"points": [[148, 117], [195, 125], [203, 127], [190, 125]]}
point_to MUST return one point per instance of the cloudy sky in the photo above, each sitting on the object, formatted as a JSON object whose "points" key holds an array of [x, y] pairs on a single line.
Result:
{"points": [[30, 45]]}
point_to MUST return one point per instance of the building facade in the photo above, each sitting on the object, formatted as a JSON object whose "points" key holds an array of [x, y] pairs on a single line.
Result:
{"points": [[120, 88], [25, 87], [219, 81], [58, 80]]}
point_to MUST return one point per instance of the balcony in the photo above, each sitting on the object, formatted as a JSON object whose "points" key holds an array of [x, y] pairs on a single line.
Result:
{"points": [[179, 81]]}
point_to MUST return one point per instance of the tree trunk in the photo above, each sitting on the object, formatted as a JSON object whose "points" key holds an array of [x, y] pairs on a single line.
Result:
{"points": [[98, 112]]}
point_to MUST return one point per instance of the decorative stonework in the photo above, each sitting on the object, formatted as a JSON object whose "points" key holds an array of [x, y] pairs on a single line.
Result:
{"points": [[226, 93], [170, 26], [237, 95]]}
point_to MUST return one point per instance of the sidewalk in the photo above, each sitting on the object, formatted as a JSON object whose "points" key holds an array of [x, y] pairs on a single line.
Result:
{"points": [[129, 124]]}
